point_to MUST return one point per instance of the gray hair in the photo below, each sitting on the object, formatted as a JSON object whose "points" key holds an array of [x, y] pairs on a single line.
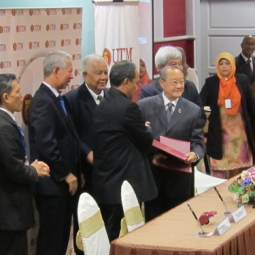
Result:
{"points": [[55, 59], [164, 54], [91, 59], [6, 84], [164, 70]]}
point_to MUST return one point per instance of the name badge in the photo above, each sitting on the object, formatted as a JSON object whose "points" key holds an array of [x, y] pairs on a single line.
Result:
{"points": [[223, 226], [239, 214], [228, 104]]}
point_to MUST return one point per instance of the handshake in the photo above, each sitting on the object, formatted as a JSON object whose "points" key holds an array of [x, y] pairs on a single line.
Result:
{"points": [[41, 168]]}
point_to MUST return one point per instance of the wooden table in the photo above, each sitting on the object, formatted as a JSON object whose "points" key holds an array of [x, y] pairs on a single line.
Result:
{"points": [[175, 232]]}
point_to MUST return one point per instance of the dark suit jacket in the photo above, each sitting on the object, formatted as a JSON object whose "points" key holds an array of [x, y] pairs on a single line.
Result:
{"points": [[241, 67], [186, 124], [81, 106], [120, 140], [16, 210], [190, 93], [52, 139], [209, 96]]}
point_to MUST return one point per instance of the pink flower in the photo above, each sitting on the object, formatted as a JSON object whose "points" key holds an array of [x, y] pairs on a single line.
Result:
{"points": [[245, 174]]}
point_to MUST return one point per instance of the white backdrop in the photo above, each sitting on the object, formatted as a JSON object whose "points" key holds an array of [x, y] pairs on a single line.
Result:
{"points": [[117, 31], [26, 36]]}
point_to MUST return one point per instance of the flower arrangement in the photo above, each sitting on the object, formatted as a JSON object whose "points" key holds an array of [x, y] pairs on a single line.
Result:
{"points": [[244, 187]]}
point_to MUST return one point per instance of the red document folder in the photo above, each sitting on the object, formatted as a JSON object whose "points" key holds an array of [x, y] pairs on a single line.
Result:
{"points": [[175, 152]]}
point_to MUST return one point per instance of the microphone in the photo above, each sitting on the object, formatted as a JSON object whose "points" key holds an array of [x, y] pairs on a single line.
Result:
{"points": [[202, 232], [227, 212]]}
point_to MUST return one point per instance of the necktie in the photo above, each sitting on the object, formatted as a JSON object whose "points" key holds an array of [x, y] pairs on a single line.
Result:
{"points": [[99, 98], [249, 67], [22, 139], [169, 112], [61, 101]]}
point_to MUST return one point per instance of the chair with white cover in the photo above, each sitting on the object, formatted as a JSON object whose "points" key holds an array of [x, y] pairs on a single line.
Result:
{"points": [[132, 211], [203, 182], [92, 237]]}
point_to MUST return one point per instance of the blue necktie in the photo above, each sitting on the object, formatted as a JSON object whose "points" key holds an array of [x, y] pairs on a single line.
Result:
{"points": [[22, 139], [61, 101]]}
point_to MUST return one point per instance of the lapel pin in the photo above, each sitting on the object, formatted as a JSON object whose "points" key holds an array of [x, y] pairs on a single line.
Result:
{"points": [[179, 111]]}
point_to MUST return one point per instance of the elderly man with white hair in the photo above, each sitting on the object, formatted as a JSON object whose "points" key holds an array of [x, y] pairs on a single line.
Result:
{"points": [[170, 56]]}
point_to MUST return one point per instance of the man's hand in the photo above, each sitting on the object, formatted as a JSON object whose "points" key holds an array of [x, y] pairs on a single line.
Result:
{"points": [[156, 159], [72, 182], [41, 168], [148, 124], [191, 156], [90, 157]]}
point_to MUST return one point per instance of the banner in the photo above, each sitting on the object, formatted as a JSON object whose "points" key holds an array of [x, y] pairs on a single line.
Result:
{"points": [[26, 37], [117, 31]]}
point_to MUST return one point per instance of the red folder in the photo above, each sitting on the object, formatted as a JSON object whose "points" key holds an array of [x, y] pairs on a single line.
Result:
{"points": [[175, 151]]}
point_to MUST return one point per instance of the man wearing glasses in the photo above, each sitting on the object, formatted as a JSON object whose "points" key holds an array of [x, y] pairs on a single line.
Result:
{"points": [[172, 116], [171, 56]]}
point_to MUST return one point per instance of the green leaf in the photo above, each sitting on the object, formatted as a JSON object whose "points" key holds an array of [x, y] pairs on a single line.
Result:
{"points": [[241, 190]]}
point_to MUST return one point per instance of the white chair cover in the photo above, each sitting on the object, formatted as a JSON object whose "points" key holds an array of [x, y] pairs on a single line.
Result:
{"points": [[91, 227], [203, 182], [131, 207]]}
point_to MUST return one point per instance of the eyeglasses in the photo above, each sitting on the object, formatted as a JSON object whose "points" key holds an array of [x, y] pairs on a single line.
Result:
{"points": [[175, 83], [179, 64]]}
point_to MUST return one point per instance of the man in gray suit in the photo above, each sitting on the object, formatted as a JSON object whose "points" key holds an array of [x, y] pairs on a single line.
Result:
{"points": [[185, 123]]}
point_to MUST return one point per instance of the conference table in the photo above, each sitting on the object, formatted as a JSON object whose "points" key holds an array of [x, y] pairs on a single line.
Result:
{"points": [[176, 231]]}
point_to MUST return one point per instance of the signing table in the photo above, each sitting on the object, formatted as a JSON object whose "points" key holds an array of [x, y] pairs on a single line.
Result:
{"points": [[175, 232]]}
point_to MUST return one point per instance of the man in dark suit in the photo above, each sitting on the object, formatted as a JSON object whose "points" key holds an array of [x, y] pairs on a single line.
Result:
{"points": [[245, 62], [120, 140], [172, 116], [16, 175], [81, 103], [53, 139]]}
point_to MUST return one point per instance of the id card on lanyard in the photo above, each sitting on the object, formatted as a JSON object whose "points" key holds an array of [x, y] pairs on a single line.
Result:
{"points": [[228, 104]]}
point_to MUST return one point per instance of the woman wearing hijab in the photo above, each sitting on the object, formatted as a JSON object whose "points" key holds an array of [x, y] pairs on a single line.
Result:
{"points": [[144, 79], [230, 143]]}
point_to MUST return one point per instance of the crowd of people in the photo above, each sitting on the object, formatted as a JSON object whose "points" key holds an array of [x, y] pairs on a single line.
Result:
{"points": [[93, 138]]}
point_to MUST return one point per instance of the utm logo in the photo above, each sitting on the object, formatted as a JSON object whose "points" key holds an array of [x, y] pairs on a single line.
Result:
{"points": [[66, 42], [17, 13], [21, 62], [36, 28], [66, 11], [78, 41], [51, 12], [79, 11], [34, 45], [50, 44], [107, 56], [64, 26], [25, 107], [51, 27], [77, 72], [2, 47], [5, 29], [5, 64], [34, 12], [17, 46], [20, 29], [76, 56], [77, 26]]}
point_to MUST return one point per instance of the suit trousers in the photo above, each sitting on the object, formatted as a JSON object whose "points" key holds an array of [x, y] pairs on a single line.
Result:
{"points": [[174, 188], [112, 215], [55, 214], [13, 242]]}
